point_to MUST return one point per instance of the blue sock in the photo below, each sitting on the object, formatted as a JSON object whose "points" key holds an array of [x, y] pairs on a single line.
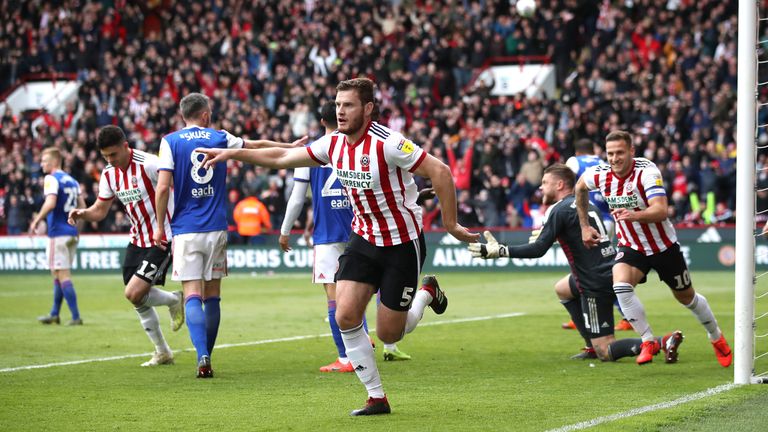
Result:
{"points": [[68, 290], [58, 297], [335, 329], [193, 307], [212, 318]]}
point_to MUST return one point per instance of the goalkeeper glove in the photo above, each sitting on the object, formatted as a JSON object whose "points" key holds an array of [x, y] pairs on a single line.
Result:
{"points": [[534, 236], [492, 249]]}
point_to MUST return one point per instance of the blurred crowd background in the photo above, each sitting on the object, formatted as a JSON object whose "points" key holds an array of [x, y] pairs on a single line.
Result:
{"points": [[664, 70]]}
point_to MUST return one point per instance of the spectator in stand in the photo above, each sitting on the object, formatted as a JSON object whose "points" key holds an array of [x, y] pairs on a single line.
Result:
{"points": [[461, 169], [255, 64]]}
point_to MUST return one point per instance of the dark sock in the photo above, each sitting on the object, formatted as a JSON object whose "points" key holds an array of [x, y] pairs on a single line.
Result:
{"points": [[629, 347], [573, 306]]}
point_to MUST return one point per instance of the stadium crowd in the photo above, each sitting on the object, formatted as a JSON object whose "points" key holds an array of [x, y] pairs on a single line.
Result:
{"points": [[666, 71]]}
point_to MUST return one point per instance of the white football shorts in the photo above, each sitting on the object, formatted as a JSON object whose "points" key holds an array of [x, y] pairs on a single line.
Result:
{"points": [[326, 262], [199, 256], [61, 252]]}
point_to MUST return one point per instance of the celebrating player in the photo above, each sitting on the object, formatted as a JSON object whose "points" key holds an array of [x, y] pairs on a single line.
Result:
{"points": [[131, 176], [62, 194], [591, 298], [634, 191], [386, 250], [332, 218]]}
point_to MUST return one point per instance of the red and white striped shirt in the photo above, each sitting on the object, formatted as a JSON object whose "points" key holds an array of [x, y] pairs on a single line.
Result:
{"points": [[633, 192], [135, 188], [376, 173]]}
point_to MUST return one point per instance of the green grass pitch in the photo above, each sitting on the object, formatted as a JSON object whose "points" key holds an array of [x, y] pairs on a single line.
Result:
{"points": [[477, 367]]}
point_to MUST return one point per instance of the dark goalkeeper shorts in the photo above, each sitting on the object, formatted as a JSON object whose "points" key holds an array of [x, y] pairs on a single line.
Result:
{"points": [[597, 308], [393, 270], [150, 264]]}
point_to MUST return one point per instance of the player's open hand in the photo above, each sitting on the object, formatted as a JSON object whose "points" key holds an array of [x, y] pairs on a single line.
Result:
{"points": [[462, 234], [491, 249], [590, 237], [285, 243], [74, 215], [212, 156], [301, 142]]}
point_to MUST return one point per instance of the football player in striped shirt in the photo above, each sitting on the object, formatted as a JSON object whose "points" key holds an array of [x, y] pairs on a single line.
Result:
{"points": [[332, 217], [386, 250], [633, 189], [587, 291], [62, 194], [131, 176]]}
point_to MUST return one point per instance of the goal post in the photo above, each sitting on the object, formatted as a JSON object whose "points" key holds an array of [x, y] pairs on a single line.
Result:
{"points": [[744, 312]]}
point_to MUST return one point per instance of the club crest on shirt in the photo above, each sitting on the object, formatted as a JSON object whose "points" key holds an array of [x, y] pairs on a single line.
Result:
{"points": [[405, 146], [365, 161], [134, 182], [628, 188]]}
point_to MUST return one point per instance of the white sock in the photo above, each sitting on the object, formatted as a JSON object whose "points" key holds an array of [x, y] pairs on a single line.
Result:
{"points": [[700, 308], [151, 324], [421, 300], [158, 297], [343, 360], [390, 347], [633, 309], [360, 353]]}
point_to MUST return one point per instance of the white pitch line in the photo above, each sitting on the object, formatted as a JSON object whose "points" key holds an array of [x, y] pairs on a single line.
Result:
{"points": [[242, 344], [642, 410]]}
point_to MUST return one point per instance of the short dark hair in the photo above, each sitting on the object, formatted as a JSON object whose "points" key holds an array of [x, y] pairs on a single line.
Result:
{"points": [[363, 86], [194, 104], [584, 145], [110, 136], [562, 172], [620, 135], [328, 115]]}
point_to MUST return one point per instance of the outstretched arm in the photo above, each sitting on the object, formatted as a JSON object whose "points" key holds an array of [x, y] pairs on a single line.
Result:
{"points": [[445, 189], [270, 157], [589, 234], [260, 144]]}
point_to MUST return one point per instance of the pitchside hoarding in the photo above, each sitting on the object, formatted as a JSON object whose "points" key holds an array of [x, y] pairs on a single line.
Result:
{"points": [[704, 248]]}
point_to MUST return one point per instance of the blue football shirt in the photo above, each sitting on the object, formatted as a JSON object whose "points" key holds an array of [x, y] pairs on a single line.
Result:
{"points": [[67, 190], [199, 193], [579, 164]]}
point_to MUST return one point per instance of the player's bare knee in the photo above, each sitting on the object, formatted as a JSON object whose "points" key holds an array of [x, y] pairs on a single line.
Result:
{"points": [[685, 297], [133, 295], [389, 336], [346, 320]]}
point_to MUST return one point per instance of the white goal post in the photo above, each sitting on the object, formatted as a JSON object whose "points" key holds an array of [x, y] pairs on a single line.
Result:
{"points": [[744, 313]]}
